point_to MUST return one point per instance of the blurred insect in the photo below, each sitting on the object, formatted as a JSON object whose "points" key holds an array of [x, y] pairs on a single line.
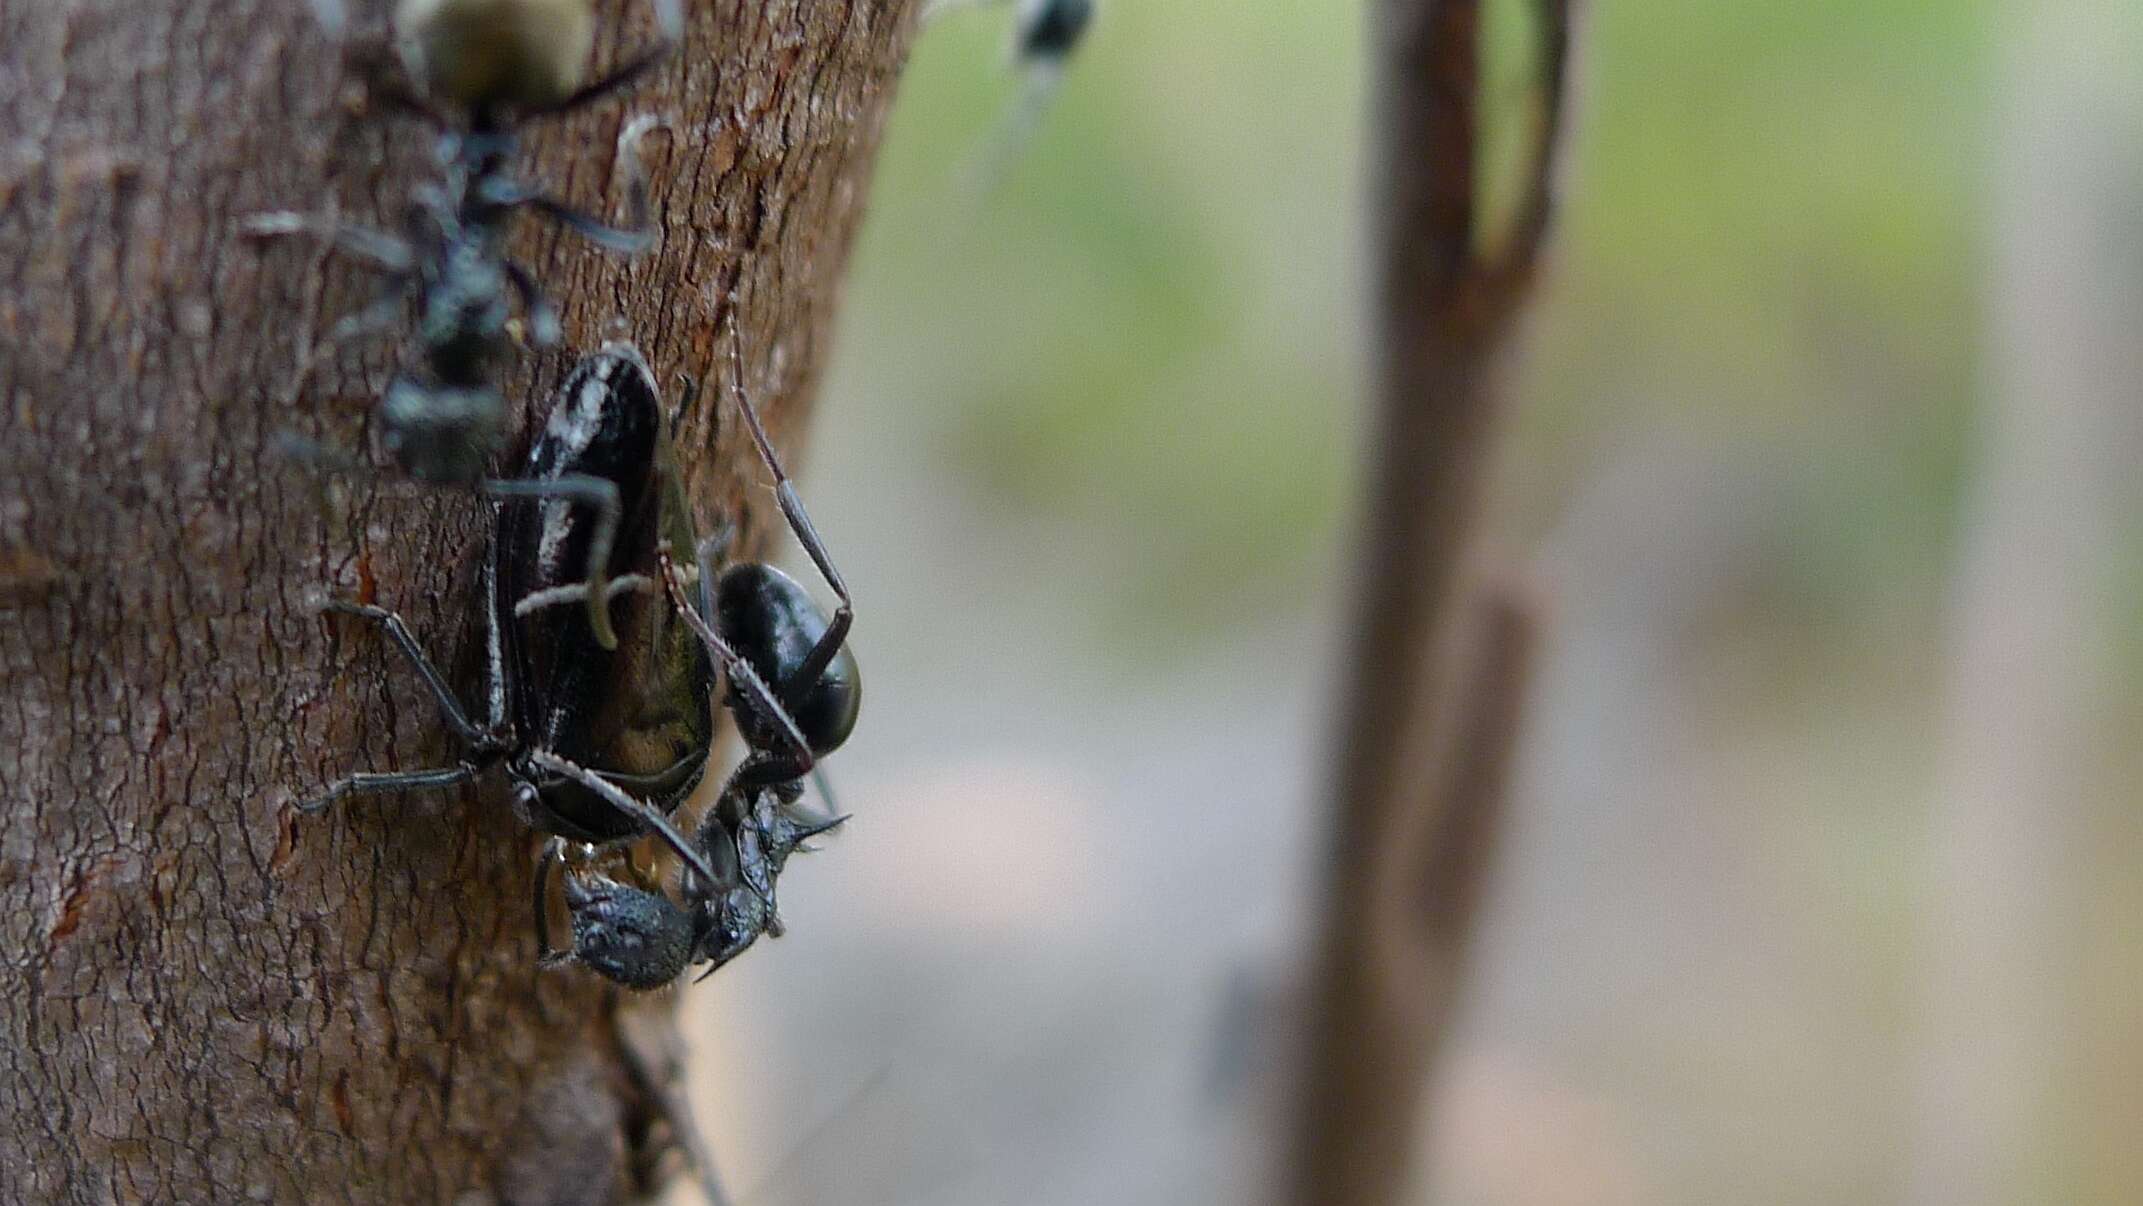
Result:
{"points": [[600, 746], [487, 67], [1045, 34], [1049, 31], [794, 690]]}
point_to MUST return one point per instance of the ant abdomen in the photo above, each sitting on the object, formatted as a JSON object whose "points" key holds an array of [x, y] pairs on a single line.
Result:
{"points": [[772, 622], [520, 53]]}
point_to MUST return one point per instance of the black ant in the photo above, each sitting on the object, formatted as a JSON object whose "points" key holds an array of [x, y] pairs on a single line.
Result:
{"points": [[794, 690], [487, 69]]}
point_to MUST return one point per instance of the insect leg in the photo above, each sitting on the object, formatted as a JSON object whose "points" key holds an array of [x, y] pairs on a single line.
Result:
{"points": [[646, 814], [792, 508], [936, 9], [552, 859], [600, 494], [449, 707], [377, 782], [670, 19], [651, 1057], [633, 239], [384, 251], [741, 675], [543, 327]]}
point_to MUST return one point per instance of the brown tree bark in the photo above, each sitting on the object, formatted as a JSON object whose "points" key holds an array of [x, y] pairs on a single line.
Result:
{"points": [[207, 997]]}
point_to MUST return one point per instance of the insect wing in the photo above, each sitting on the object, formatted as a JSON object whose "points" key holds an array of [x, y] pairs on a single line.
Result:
{"points": [[638, 714]]}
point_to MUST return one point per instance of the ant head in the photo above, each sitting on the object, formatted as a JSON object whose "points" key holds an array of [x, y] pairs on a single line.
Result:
{"points": [[636, 938], [773, 624], [728, 923], [494, 54]]}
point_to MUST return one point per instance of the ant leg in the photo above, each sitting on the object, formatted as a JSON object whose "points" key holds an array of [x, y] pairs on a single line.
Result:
{"points": [[600, 494], [577, 592], [630, 240], [378, 316], [986, 167], [639, 810], [393, 256], [449, 707], [685, 399], [792, 507], [543, 326], [826, 797], [626, 72], [386, 252], [670, 19], [552, 859], [377, 782], [609, 238], [741, 675], [320, 457]]}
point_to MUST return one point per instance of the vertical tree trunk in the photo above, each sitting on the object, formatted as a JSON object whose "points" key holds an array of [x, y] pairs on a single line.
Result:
{"points": [[209, 998]]}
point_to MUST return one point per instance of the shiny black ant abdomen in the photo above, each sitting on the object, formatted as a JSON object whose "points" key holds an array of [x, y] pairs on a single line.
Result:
{"points": [[773, 624]]}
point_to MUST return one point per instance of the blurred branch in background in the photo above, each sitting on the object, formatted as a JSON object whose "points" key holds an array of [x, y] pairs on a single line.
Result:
{"points": [[1420, 768]]}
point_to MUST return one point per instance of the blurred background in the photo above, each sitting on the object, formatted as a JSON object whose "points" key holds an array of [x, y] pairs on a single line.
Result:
{"points": [[1822, 882]]}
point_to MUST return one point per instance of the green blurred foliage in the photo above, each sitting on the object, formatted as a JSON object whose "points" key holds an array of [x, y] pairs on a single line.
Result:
{"points": [[1151, 328], [1771, 234], [1769, 260], [1147, 329]]}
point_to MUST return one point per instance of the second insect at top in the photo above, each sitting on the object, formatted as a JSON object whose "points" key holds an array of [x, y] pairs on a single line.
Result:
{"points": [[484, 67]]}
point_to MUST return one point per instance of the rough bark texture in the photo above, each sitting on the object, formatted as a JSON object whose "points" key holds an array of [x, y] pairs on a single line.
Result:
{"points": [[207, 997], [1423, 752]]}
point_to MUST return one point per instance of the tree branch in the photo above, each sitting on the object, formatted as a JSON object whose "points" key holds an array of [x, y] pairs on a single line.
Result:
{"points": [[1415, 762]]}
